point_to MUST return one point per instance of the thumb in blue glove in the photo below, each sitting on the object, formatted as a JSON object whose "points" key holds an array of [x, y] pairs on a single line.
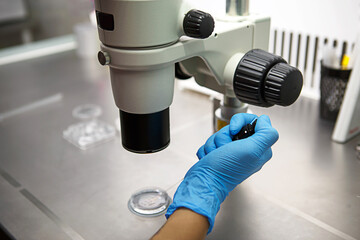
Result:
{"points": [[223, 165]]}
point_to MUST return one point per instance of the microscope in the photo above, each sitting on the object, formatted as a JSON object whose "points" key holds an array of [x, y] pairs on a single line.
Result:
{"points": [[147, 43]]}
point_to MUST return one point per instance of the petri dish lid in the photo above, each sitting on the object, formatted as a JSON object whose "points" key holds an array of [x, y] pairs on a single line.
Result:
{"points": [[149, 202], [86, 111]]}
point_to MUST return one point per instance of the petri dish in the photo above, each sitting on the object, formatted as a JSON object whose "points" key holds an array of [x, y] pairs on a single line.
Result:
{"points": [[149, 202], [86, 111], [89, 133]]}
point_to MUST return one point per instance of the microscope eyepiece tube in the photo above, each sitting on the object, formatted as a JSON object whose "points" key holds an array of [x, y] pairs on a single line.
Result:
{"points": [[145, 133], [237, 7]]}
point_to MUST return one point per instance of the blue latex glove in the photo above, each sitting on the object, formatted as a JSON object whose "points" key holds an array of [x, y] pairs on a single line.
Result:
{"points": [[223, 165]]}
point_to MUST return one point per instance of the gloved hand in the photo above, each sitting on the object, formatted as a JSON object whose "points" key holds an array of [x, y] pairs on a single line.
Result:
{"points": [[223, 165]]}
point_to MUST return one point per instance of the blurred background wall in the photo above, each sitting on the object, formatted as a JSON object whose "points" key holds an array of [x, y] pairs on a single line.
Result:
{"points": [[23, 21]]}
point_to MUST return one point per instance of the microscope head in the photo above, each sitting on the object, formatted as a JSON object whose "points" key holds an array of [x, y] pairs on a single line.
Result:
{"points": [[142, 93]]}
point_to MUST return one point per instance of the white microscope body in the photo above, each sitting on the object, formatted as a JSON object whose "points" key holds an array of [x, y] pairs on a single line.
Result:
{"points": [[143, 41]]}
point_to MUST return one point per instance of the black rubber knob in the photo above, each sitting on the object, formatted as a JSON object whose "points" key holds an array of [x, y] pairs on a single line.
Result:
{"points": [[283, 85], [264, 79], [198, 24]]}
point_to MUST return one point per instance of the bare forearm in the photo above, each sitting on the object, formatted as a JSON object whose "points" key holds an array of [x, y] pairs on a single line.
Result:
{"points": [[183, 224]]}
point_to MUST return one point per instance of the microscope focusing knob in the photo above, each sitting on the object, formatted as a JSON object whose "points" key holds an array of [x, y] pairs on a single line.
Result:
{"points": [[283, 85], [264, 79], [198, 24]]}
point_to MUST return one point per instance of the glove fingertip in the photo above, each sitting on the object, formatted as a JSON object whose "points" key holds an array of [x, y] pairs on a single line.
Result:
{"points": [[275, 134], [234, 126], [263, 122], [201, 152], [266, 118]]}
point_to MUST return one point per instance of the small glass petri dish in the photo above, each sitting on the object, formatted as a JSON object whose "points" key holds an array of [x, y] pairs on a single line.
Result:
{"points": [[87, 111], [149, 202]]}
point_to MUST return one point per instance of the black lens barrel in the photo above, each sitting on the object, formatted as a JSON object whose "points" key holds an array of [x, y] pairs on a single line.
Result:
{"points": [[145, 133]]}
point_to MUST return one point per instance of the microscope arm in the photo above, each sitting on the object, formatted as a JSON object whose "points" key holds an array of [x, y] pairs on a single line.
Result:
{"points": [[213, 53]]}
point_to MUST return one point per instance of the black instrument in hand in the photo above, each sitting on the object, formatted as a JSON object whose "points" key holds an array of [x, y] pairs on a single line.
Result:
{"points": [[246, 131]]}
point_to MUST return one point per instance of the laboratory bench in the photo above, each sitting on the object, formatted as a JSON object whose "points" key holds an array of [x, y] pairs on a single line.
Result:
{"points": [[50, 189]]}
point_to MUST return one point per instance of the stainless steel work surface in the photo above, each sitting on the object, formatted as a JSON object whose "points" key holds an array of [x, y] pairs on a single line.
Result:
{"points": [[49, 189]]}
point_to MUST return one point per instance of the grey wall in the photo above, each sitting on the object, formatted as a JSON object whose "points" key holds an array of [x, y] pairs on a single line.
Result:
{"points": [[45, 19]]}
